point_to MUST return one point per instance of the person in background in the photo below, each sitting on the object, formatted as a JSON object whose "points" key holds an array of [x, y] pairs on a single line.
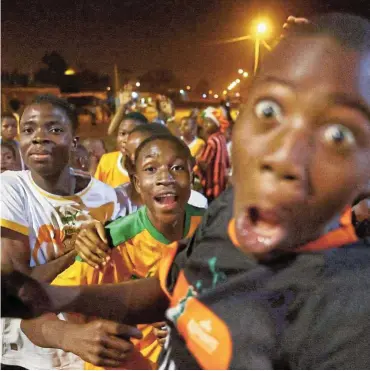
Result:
{"points": [[188, 131], [96, 149], [111, 169], [9, 133], [80, 159], [8, 157], [213, 164]]}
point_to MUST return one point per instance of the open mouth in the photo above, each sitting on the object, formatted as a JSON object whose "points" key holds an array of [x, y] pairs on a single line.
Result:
{"points": [[166, 199], [259, 230]]}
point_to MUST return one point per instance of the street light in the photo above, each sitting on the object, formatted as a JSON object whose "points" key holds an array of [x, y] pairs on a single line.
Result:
{"points": [[182, 91], [245, 74], [261, 28], [188, 87], [138, 84], [215, 96], [240, 71]]}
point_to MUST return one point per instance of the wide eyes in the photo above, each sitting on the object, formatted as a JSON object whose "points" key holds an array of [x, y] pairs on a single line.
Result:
{"points": [[339, 135], [268, 110]]}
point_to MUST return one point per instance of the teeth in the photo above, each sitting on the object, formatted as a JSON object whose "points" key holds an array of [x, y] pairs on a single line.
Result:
{"points": [[264, 240], [167, 195]]}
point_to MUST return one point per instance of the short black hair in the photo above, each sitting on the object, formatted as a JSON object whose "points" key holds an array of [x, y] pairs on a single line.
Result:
{"points": [[165, 137], [7, 115], [349, 30], [153, 129], [135, 116], [10, 147], [61, 103]]}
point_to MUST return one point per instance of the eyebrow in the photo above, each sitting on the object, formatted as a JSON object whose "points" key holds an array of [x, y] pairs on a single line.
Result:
{"points": [[278, 80], [346, 100]]}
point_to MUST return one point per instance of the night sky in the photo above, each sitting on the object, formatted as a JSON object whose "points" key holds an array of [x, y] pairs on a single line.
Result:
{"points": [[146, 34]]}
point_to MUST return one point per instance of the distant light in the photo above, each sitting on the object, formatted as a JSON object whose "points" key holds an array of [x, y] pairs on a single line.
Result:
{"points": [[229, 88], [134, 95], [142, 100], [261, 28], [69, 72], [138, 84], [210, 92], [108, 88], [245, 74], [224, 92], [237, 95], [215, 96], [188, 87], [182, 91], [237, 81], [204, 95], [240, 71], [150, 100]]}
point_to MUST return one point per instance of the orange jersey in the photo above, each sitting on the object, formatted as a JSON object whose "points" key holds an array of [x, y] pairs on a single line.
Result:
{"points": [[111, 171]]}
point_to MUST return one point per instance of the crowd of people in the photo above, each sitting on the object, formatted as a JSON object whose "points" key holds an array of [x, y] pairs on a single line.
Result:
{"points": [[242, 246]]}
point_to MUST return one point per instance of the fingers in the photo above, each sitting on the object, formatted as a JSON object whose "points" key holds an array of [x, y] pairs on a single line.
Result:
{"points": [[91, 248], [159, 325], [119, 329], [101, 232]]}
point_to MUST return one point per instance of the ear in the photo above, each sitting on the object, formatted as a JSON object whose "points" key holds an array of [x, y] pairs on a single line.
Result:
{"points": [[137, 185]]}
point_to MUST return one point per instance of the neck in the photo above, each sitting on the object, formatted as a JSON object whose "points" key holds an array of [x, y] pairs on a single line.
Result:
{"points": [[134, 195], [189, 138], [173, 229], [61, 184]]}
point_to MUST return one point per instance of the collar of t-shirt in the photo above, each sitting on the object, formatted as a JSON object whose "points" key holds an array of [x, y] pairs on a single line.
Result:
{"points": [[343, 235]]}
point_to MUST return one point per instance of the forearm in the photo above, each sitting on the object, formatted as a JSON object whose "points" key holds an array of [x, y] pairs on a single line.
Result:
{"points": [[133, 302], [47, 272], [47, 331]]}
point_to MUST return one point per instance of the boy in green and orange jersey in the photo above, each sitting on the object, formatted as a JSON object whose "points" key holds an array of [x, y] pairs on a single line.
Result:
{"points": [[142, 239]]}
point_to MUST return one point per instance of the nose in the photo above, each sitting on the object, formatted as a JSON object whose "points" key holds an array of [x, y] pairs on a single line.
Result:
{"points": [[288, 162], [164, 177], [40, 136]]}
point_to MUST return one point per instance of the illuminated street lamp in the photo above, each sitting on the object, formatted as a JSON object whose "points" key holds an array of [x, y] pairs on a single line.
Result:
{"points": [[204, 96], [261, 28], [138, 84], [240, 71], [182, 91], [188, 87], [215, 96], [245, 74]]}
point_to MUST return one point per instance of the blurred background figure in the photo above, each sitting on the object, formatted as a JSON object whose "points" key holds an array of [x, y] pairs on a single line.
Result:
{"points": [[96, 149], [8, 157], [9, 133], [80, 159], [188, 132]]}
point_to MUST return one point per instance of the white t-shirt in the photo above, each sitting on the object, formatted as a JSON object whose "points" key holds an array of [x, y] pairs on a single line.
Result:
{"points": [[128, 207], [50, 222]]}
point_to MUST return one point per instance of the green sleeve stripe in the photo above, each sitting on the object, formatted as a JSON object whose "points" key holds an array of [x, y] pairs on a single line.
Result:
{"points": [[125, 228]]}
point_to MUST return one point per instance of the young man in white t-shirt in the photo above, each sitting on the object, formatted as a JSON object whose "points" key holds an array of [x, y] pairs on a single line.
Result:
{"points": [[41, 211]]}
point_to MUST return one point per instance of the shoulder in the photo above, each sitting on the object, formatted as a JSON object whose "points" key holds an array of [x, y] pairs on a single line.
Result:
{"points": [[125, 228], [111, 156], [198, 200], [14, 180]]}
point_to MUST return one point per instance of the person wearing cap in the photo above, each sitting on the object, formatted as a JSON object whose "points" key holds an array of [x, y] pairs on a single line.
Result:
{"points": [[213, 164]]}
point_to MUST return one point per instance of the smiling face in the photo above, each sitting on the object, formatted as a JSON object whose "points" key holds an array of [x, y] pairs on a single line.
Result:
{"points": [[124, 130], [8, 128], [46, 139], [163, 179], [301, 147]]}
